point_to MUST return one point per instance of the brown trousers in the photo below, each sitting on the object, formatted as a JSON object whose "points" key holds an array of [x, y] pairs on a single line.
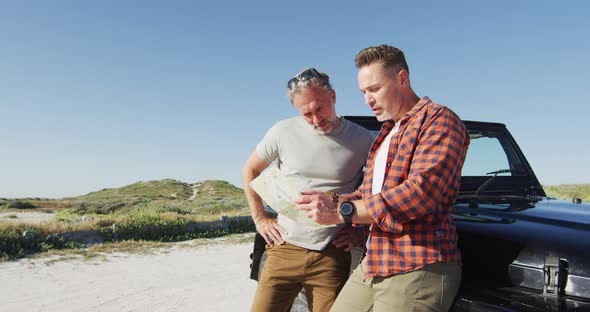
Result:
{"points": [[288, 268]]}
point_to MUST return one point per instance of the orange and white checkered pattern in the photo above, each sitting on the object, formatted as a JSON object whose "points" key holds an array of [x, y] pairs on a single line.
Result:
{"points": [[413, 225]]}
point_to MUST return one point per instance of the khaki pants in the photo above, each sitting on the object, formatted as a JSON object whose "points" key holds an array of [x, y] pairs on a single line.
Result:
{"points": [[431, 288], [288, 268]]}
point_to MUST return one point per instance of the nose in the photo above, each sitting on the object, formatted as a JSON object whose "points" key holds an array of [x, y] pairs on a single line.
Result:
{"points": [[316, 119], [369, 99]]}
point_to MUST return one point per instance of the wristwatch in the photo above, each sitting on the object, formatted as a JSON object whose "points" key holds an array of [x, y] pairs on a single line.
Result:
{"points": [[346, 211]]}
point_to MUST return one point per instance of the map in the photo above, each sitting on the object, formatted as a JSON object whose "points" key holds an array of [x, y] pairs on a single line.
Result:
{"points": [[279, 192]]}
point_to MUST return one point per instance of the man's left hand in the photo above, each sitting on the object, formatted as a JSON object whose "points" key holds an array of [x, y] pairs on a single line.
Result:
{"points": [[349, 237]]}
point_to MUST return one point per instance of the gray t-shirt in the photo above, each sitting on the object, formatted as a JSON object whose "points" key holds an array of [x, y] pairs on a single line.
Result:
{"points": [[316, 161]]}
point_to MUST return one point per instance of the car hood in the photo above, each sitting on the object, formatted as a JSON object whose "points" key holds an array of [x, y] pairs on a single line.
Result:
{"points": [[542, 220], [553, 210]]}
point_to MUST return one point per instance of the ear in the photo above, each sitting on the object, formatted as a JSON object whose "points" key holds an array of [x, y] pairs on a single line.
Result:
{"points": [[333, 97], [404, 77]]}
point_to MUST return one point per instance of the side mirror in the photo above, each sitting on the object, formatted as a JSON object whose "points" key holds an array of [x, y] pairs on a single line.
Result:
{"points": [[577, 200]]}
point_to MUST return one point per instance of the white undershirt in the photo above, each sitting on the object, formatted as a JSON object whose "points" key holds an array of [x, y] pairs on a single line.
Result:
{"points": [[381, 161], [379, 168]]}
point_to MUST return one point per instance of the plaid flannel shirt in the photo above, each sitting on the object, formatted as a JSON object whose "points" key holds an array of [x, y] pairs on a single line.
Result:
{"points": [[413, 225]]}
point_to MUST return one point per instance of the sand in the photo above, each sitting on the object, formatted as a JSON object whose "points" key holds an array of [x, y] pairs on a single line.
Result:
{"points": [[213, 277], [30, 217]]}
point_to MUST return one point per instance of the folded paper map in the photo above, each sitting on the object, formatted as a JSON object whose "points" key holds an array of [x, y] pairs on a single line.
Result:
{"points": [[280, 192]]}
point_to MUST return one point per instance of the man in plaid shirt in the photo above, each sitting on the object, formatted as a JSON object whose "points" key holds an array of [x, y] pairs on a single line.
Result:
{"points": [[411, 181]]}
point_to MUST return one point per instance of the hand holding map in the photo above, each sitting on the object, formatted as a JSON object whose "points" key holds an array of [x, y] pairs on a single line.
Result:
{"points": [[279, 193]]}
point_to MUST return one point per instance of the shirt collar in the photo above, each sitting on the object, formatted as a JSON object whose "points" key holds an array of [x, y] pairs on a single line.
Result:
{"points": [[423, 101]]}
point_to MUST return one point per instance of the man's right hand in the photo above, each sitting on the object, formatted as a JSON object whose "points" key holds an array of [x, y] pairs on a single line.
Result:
{"points": [[270, 230], [267, 227]]}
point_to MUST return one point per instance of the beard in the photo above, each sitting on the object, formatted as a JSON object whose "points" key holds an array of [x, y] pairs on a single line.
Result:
{"points": [[328, 126]]}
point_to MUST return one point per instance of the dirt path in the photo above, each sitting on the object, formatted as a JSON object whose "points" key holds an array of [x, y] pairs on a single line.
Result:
{"points": [[33, 217], [195, 191], [206, 278]]}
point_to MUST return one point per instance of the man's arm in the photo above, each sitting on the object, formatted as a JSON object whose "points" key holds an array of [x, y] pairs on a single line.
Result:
{"points": [[436, 161], [436, 164], [266, 226], [322, 209]]}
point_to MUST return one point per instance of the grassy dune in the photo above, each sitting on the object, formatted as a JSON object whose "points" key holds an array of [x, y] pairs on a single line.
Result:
{"points": [[152, 210], [569, 191], [141, 202]]}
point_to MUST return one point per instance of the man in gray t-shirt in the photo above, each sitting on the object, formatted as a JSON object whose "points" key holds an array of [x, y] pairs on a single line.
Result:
{"points": [[320, 151]]}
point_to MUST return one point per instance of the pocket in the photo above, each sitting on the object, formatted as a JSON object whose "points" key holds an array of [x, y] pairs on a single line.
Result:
{"points": [[407, 141]]}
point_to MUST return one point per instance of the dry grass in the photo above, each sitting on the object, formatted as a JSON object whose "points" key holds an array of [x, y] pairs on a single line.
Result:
{"points": [[48, 227], [105, 252], [65, 222], [569, 191]]}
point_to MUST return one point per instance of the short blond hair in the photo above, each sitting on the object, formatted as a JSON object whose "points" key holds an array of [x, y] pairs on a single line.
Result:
{"points": [[391, 57]]}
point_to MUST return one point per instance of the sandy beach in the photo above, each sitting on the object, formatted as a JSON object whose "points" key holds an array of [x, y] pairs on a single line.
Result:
{"points": [[203, 277]]}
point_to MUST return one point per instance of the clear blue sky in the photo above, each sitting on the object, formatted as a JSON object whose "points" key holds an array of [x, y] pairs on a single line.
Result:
{"points": [[106, 93]]}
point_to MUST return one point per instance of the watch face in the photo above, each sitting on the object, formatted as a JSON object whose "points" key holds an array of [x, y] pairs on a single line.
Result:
{"points": [[346, 208]]}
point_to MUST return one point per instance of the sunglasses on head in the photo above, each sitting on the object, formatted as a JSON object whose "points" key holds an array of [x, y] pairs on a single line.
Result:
{"points": [[305, 75]]}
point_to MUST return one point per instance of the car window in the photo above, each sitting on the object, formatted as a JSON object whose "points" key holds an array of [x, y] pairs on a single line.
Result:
{"points": [[484, 155], [489, 153]]}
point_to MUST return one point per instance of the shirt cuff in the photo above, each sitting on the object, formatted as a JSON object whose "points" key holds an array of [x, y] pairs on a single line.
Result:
{"points": [[377, 207], [351, 196]]}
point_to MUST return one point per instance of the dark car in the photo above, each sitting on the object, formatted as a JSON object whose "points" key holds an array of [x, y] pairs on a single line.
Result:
{"points": [[521, 250]]}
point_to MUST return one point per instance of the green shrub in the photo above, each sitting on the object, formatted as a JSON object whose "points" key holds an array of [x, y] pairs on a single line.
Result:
{"points": [[21, 204], [152, 229], [20, 241], [155, 228], [14, 245]]}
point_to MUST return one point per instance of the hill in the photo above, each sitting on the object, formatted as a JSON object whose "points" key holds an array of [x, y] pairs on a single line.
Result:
{"points": [[202, 199], [162, 210], [158, 189]]}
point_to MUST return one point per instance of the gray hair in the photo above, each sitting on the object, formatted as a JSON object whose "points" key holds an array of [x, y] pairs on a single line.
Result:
{"points": [[323, 82]]}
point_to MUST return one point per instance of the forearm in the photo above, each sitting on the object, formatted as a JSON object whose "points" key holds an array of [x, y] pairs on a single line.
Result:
{"points": [[254, 201], [251, 170], [255, 204], [407, 202]]}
